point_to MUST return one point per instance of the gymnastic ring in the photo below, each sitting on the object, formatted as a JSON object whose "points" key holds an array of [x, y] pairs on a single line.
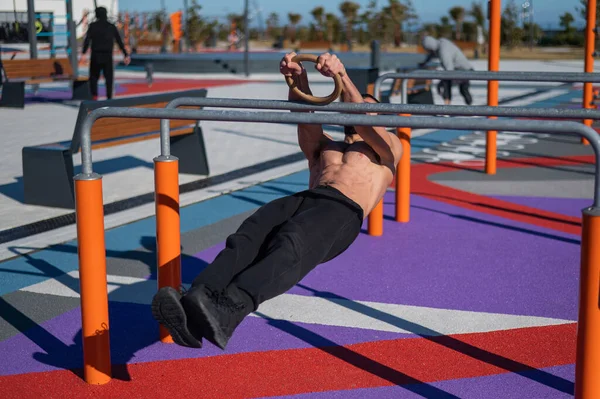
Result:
{"points": [[337, 80]]}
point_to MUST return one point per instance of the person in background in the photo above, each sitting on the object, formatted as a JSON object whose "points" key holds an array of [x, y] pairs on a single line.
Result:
{"points": [[101, 36], [452, 59]]}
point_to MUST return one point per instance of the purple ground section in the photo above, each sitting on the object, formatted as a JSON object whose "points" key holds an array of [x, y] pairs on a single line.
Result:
{"points": [[453, 258], [564, 206], [446, 257], [505, 386], [56, 344]]}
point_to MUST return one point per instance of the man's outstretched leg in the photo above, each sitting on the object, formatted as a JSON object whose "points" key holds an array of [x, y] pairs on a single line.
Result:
{"points": [[241, 249], [322, 228]]}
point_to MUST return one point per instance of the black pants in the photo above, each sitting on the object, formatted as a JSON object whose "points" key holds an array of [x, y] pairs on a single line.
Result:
{"points": [[445, 90], [101, 63], [283, 241]]}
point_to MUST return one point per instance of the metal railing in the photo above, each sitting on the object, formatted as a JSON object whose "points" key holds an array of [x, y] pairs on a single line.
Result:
{"points": [[90, 225], [539, 77], [382, 108]]}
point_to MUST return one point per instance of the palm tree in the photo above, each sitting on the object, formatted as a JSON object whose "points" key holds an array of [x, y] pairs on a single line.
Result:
{"points": [[566, 20], [272, 24], [478, 14], [318, 13], [349, 10], [458, 15], [397, 12], [330, 21], [294, 20]]}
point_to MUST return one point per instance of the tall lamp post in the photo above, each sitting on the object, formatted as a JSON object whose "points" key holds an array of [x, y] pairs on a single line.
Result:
{"points": [[528, 12]]}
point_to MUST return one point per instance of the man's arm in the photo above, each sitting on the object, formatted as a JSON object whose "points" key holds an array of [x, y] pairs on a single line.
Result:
{"points": [[430, 56], [119, 41], [310, 136], [86, 41], [385, 144]]}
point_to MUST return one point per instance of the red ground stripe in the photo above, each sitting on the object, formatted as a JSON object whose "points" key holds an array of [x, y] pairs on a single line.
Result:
{"points": [[421, 185], [287, 372]]}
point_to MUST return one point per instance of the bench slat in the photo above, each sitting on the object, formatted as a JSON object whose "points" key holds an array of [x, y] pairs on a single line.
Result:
{"points": [[129, 127], [38, 68], [142, 137]]}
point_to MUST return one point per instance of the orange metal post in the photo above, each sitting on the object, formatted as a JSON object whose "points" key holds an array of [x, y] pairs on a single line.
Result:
{"points": [[168, 238], [403, 176], [495, 10], [375, 223], [587, 366], [590, 44], [92, 274]]}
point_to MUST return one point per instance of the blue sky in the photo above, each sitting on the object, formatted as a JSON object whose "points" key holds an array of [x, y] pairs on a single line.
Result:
{"points": [[546, 11]]}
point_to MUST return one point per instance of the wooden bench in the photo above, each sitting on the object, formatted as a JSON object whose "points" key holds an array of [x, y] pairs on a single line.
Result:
{"points": [[21, 72], [149, 46], [315, 45], [48, 169]]}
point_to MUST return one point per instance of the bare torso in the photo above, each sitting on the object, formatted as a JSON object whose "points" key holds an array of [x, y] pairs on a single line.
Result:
{"points": [[354, 169]]}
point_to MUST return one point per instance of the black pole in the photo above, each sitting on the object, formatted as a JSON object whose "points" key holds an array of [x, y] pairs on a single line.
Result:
{"points": [[72, 38], [246, 39], [186, 36], [531, 25], [31, 31]]}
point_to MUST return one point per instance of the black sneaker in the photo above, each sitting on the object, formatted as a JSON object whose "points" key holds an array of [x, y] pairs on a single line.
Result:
{"points": [[219, 312], [168, 311]]}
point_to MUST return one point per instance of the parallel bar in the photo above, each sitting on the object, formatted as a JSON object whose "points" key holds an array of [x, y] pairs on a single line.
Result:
{"points": [[387, 108], [415, 109], [550, 127], [539, 77]]}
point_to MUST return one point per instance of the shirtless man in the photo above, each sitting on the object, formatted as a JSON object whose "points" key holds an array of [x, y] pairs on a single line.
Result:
{"points": [[287, 238]]}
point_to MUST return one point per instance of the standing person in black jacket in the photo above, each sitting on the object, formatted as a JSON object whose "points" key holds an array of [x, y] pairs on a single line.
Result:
{"points": [[102, 35]]}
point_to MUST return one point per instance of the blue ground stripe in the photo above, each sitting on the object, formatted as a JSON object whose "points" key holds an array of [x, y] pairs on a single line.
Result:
{"points": [[39, 266]]}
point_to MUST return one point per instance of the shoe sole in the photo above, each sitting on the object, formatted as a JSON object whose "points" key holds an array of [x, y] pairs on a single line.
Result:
{"points": [[210, 327], [168, 311]]}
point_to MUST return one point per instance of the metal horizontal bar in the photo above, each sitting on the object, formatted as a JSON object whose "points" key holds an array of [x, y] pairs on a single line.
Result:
{"points": [[387, 108], [413, 109], [551, 127], [560, 77], [548, 77]]}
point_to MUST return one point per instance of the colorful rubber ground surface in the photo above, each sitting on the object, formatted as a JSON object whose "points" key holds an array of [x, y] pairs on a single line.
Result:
{"points": [[475, 297]]}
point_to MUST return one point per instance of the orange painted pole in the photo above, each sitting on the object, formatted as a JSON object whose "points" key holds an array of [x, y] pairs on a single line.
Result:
{"points": [[375, 223], [168, 237], [92, 274], [495, 8], [587, 368], [590, 45], [403, 176]]}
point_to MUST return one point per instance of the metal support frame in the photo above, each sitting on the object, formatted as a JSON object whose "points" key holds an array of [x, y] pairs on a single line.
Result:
{"points": [[90, 226], [550, 127]]}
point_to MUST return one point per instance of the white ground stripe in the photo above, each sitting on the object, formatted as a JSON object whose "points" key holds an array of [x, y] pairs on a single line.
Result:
{"points": [[331, 312]]}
